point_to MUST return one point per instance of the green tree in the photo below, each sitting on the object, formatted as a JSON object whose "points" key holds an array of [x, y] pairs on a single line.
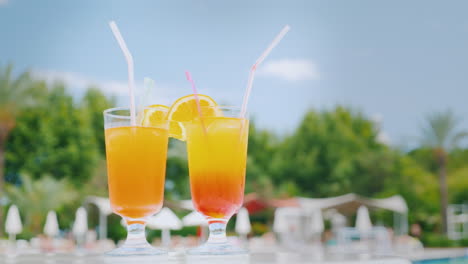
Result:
{"points": [[417, 185], [458, 176], [334, 152], [53, 137], [177, 177], [441, 134], [94, 103], [35, 198], [262, 149], [13, 97]]}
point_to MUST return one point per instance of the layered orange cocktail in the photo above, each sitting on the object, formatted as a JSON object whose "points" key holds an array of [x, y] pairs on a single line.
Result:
{"points": [[217, 152]]}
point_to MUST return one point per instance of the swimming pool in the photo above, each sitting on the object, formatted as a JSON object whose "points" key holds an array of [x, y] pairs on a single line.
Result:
{"points": [[462, 260]]}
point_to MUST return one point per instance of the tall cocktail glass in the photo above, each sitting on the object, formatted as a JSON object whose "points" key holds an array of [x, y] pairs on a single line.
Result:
{"points": [[136, 169], [217, 153]]}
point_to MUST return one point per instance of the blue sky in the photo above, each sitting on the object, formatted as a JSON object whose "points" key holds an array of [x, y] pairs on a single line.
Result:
{"points": [[397, 60]]}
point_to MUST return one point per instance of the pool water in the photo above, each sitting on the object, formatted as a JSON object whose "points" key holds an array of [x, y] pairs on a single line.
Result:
{"points": [[462, 260]]}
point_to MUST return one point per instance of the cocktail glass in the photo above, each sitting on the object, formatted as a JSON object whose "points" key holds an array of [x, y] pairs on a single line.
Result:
{"points": [[136, 168], [217, 153]]}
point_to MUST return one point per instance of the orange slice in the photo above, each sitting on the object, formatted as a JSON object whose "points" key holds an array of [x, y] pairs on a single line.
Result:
{"points": [[185, 109], [155, 116]]}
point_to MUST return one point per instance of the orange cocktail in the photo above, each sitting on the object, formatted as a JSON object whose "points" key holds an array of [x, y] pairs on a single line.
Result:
{"points": [[136, 163], [217, 152], [136, 152]]}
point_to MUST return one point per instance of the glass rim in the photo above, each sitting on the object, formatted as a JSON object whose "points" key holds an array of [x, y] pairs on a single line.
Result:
{"points": [[108, 111]]}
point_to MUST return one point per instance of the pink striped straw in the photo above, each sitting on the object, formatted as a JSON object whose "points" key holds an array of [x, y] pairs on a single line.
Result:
{"points": [[195, 93], [197, 100], [257, 63]]}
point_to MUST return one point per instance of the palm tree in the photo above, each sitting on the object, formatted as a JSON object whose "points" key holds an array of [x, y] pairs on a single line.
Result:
{"points": [[441, 134], [35, 198], [13, 96]]}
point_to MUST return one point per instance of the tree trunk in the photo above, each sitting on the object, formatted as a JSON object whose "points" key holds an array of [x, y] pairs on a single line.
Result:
{"points": [[442, 159]]}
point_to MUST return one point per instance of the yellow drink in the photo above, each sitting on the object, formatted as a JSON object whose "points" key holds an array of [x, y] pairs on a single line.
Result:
{"points": [[217, 161], [136, 164]]}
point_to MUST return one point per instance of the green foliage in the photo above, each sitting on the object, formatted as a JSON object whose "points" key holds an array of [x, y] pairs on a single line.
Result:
{"points": [[259, 229], [262, 149], [458, 185], [177, 177], [15, 94], [94, 103], [417, 186], [437, 240], [334, 152], [53, 137], [115, 230], [35, 198], [424, 157], [441, 131], [14, 91]]}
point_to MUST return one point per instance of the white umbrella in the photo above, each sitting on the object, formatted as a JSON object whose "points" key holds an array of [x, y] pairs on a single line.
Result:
{"points": [[317, 222], [338, 221], [80, 226], [13, 221], [194, 219], [165, 220], [51, 227], [105, 209], [363, 221], [283, 217], [13, 224], [243, 226], [197, 219]]}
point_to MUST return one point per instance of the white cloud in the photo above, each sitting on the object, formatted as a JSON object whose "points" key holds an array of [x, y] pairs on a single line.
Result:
{"points": [[76, 80], [3, 2], [291, 69], [78, 84]]}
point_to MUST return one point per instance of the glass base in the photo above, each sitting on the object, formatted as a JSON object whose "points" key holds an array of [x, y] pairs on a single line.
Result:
{"points": [[136, 244], [217, 249], [143, 250]]}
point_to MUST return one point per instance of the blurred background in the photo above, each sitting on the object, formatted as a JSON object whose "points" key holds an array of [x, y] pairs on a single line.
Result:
{"points": [[360, 97]]}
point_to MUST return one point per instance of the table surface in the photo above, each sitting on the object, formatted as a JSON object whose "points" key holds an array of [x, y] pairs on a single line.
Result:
{"points": [[180, 258]]}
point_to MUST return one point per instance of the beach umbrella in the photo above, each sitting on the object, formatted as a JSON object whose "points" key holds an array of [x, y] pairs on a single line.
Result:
{"points": [[105, 209], [363, 221], [165, 220], [80, 226], [338, 221], [194, 219], [243, 226], [51, 227], [284, 218], [317, 222], [13, 224]]}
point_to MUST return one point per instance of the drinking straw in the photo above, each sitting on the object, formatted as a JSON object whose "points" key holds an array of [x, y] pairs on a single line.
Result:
{"points": [[195, 93], [129, 59], [262, 57], [145, 98], [197, 100]]}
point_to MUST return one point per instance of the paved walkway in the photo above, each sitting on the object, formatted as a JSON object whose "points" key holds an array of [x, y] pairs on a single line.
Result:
{"points": [[178, 258]]}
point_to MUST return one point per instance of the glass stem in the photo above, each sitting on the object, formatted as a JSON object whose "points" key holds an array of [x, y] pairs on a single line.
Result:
{"points": [[136, 234], [217, 231]]}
